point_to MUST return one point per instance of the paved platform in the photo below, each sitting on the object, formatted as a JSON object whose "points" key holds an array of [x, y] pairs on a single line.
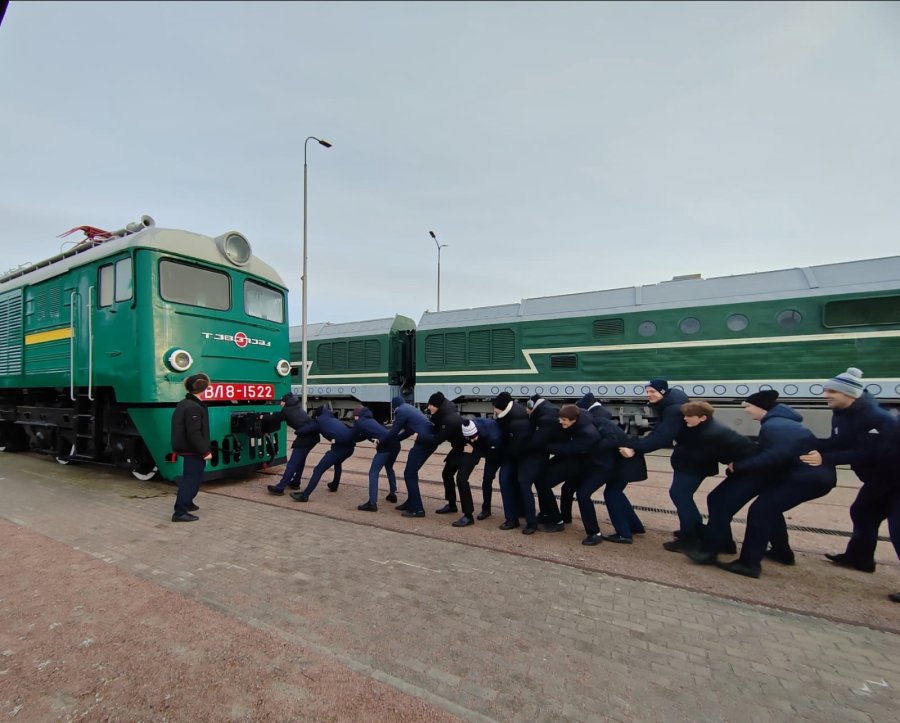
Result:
{"points": [[483, 634]]}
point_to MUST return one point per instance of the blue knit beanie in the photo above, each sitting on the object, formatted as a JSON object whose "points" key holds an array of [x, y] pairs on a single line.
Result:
{"points": [[849, 383]]}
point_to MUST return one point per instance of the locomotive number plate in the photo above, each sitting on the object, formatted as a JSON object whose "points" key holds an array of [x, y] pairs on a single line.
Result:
{"points": [[238, 392]]}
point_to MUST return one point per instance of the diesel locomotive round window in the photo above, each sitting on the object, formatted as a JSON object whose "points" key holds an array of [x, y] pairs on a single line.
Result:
{"points": [[647, 328], [737, 322], [789, 319], [689, 325]]}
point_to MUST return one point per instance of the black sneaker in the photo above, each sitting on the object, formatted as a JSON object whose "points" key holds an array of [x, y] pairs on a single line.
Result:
{"points": [[411, 513], [617, 538], [446, 510], [367, 507], [186, 517], [894, 597], [192, 507], [463, 521], [841, 560], [332, 486], [299, 496], [740, 568], [592, 540], [484, 514], [509, 525], [273, 490], [553, 526], [529, 529], [391, 498]]}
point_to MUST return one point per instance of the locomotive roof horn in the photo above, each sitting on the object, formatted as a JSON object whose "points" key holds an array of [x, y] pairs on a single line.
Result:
{"points": [[135, 226]]}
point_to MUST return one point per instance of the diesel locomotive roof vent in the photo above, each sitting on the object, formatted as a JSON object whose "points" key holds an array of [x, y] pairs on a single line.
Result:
{"points": [[235, 248], [687, 277]]}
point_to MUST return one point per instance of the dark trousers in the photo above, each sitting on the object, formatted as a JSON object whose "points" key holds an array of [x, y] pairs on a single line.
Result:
{"points": [[515, 491], [294, 469], [491, 468], [385, 461], [723, 503], [414, 461], [554, 473], [332, 458], [582, 488], [467, 464], [684, 486], [765, 519], [873, 505], [534, 471], [621, 513], [189, 482], [448, 474]]}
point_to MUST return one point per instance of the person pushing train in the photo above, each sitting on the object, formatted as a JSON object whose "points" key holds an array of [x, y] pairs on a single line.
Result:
{"points": [[306, 436], [409, 421], [447, 428], [867, 437], [191, 442], [342, 446], [365, 426]]}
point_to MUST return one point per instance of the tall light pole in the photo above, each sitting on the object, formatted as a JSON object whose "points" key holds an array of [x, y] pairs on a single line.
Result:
{"points": [[439, 247], [304, 368]]}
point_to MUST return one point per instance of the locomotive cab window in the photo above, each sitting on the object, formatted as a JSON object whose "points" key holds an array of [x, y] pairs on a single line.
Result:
{"points": [[194, 286], [263, 302], [115, 282]]}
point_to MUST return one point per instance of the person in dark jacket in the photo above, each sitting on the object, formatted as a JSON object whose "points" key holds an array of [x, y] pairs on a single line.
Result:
{"points": [[516, 474], [410, 421], [583, 462], [447, 428], [701, 445], [342, 446], [191, 442], [865, 436], [776, 477], [306, 436], [366, 427], [484, 437], [534, 462]]}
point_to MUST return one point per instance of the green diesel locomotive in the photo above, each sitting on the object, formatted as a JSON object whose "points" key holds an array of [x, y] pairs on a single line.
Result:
{"points": [[95, 344], [718, 339]]}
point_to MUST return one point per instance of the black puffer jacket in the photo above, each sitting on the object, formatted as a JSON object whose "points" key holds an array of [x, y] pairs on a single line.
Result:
{"points": [[699, 450], [516, 432], [447, 427], [545, 427], [669, 425], [190, 427]]}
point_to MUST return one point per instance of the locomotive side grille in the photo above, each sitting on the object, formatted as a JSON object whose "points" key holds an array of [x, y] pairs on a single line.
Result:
{"points": [[608, 327], [11, 334]]}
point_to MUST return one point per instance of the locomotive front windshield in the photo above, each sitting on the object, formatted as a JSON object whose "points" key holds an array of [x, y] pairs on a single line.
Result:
{"points": [[263, 302], [194, 286]]}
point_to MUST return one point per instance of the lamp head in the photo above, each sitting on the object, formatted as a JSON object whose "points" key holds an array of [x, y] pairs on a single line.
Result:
{"points": [[431, 233], [323, 143]]}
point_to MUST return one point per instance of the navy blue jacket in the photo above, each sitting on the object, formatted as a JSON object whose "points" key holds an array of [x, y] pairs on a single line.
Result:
{"points": [[306, 430], [782, 439], [366, 427], [334, 429], [670, 423], [865, 436], [699, 450], [408, 421], [490, 438]]}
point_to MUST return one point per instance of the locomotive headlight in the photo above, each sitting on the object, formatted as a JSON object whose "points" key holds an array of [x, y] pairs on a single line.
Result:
{"points": [[179, 360], [283, 367], [235, 248]]}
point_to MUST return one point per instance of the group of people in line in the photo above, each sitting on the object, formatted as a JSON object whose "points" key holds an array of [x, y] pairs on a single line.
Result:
{"points": [[537, 446]]}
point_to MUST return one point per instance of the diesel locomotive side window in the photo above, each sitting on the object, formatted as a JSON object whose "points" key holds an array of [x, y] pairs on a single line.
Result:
{"points": [[647, 328], [737, 322], [862, 312], [194, 286], [115, 283], [263, 302], [689, 325]]}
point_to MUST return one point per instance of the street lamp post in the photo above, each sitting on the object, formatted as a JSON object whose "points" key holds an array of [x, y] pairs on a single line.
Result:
{"points": [[304, 368], [439, 247]]}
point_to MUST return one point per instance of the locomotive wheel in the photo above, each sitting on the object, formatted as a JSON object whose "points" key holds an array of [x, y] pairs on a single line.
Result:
{"points": [[65, 457], [145, 468]]}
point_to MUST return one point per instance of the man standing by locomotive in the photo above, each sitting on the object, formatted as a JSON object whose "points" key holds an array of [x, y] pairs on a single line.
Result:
{"points": [[865, 436], [190, 441]]}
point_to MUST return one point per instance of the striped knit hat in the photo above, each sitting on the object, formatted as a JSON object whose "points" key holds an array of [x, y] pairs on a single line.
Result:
{"points": [[849, 383]]}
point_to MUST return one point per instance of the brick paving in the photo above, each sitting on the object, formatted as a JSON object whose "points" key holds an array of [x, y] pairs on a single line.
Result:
{"points": [[483, 634]]}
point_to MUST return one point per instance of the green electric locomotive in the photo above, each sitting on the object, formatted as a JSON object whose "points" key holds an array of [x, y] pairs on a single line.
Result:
{"points": [[95, 344]]}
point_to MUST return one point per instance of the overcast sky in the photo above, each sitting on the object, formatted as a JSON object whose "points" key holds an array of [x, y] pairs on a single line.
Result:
{"points": [[555, 147]]}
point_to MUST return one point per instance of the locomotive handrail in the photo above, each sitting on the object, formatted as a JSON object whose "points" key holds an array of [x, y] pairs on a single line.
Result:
{"points": [[90, 299], [72, 345]]}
